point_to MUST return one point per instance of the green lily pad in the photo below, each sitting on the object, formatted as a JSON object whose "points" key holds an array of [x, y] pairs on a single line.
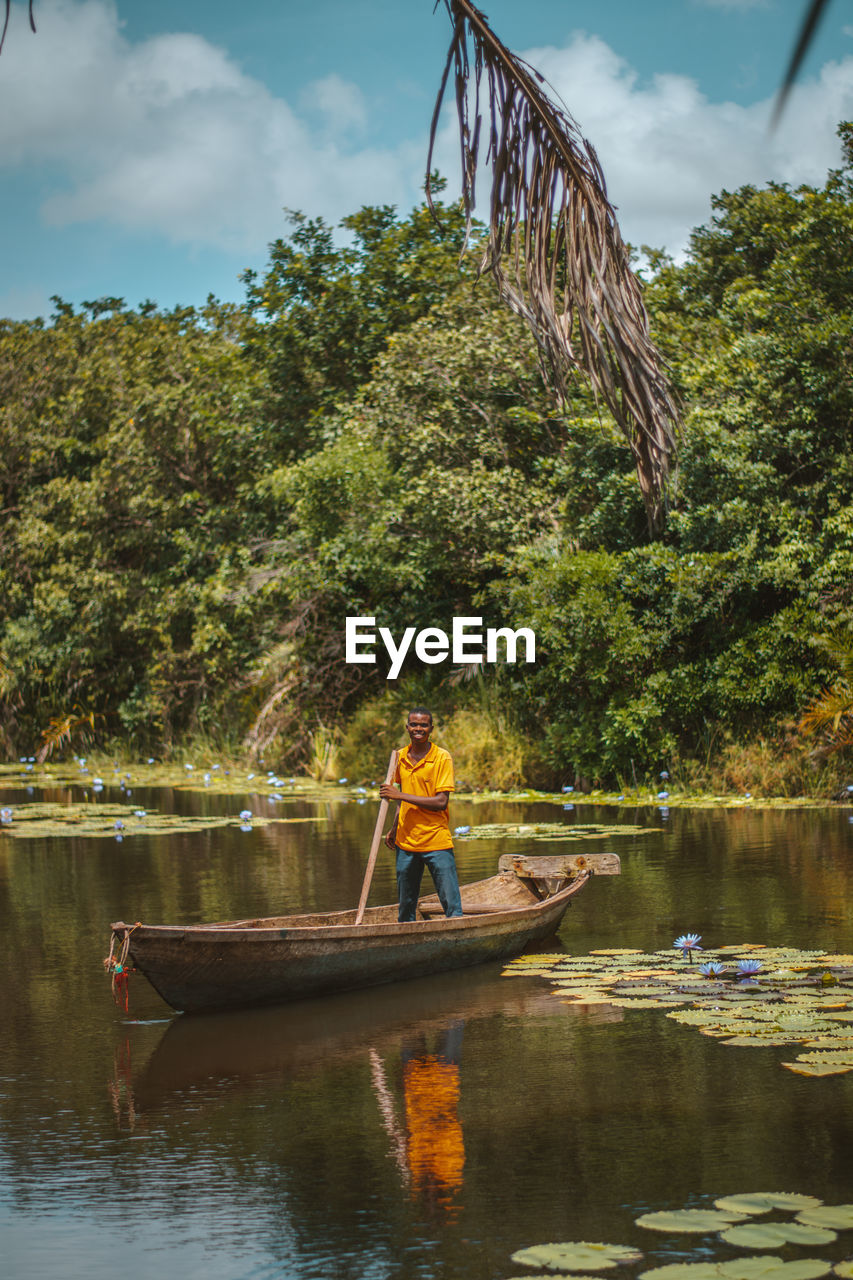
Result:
{"points": [[691, 1220], [764, 1201], [756, 1040], [817, 1068], [841, 1056], [41, 819], [758, 1267], [642, 1002], [773, 1235], [838, 1217], [844, 1269], [530, 831], [579, 1256]]}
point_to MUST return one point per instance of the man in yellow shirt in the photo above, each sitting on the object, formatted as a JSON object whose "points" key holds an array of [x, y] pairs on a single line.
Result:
{"points": [[420, 832]]}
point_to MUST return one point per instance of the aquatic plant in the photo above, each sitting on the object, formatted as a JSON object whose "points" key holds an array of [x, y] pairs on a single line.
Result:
{"points": [[700, 1221], [528, 831], [687, 944], [577, 1256], [748, 968], [792, 1005], [50, 818], [713, 969]]}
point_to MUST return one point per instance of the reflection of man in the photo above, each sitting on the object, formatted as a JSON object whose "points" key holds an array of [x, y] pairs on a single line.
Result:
{"points": [[430, 1150], [420, 832], [436, 1150]]}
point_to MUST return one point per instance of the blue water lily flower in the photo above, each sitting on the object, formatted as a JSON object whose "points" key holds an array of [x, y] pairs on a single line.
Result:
{"points": [[5, 816], [663, 795], [664, 773], [687, 944], [567, 790], [119, 825], [713, 969], [245, 815], [748, 967], [461, 831]]}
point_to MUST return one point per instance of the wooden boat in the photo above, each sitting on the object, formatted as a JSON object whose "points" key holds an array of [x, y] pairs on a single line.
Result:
{"points": [[239, 963]]}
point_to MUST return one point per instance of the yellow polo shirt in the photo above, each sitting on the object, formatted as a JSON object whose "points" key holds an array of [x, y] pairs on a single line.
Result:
{"points": [[420, 830]]}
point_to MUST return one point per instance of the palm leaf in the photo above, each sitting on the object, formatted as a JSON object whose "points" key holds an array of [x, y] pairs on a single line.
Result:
{"points": [[830, 715], [6, 21], [814, 13], [553, 244]]}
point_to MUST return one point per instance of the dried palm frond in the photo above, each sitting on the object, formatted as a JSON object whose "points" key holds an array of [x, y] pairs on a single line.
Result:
{"points": [[6, 21], [829, 717], [814, 13], [553, 244]]}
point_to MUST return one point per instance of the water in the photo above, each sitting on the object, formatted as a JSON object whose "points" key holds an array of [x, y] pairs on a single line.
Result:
{"points": [[428, 1129]]}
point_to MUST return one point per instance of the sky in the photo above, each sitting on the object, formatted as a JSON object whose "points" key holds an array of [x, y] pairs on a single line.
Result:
{"points": [[149, 150]]}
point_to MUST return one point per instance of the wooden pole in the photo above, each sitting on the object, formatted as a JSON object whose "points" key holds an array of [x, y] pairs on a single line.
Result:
{"points": [[377, 836]]}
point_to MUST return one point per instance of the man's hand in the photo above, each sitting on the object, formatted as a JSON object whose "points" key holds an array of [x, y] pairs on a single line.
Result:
{"points": [[391, 839], [433, 804]]}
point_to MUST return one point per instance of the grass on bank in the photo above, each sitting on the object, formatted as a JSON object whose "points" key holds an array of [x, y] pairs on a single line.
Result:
{"points": [[492, 757]]}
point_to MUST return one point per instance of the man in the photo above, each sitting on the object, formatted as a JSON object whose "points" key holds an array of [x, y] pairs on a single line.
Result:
{"points": [[420, 832]]}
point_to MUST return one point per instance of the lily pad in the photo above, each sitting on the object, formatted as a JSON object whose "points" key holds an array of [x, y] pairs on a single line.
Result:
{"points": [[816, 1068], [579, 1256], [690, 1220], [530, 831], [759, 1267], [773, 1235], [844, 1269], [39, 820], [840, 1056], [764, 1201], [757, 1040], [838, 1217]]}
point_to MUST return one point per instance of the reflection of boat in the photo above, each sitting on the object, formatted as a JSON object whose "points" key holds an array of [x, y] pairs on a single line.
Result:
{"points": [[242, 1048], [246, 962]]}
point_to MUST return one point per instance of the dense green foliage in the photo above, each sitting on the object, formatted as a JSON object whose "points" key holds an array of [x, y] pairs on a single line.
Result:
{"points": [[194, 502]]}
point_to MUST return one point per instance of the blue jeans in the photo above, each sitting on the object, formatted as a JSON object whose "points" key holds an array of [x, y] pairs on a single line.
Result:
{"points": [[442, 868]]}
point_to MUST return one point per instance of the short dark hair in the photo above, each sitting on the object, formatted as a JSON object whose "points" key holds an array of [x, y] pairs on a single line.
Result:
{"points": [[419, 711]]}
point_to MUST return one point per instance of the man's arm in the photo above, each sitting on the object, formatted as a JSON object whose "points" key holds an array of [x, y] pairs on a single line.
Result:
{"points": [[435, 804]]}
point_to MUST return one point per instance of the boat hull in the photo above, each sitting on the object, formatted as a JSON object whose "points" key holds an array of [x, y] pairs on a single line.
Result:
{"points": [[234, 965]]}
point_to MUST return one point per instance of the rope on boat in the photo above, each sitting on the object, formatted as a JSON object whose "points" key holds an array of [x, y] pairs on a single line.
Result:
{"points": [[117, 967]]}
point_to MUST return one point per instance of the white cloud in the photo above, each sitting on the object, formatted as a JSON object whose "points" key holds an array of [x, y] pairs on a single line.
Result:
{"points": [[340, 105], [170, 136], [665, 148]]}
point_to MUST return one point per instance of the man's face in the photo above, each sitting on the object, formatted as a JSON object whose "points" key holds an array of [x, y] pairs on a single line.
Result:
{"points": [[419, 728]]}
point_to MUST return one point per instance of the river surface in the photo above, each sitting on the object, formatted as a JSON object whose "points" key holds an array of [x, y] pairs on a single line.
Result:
{"points": [[428, 1129]]}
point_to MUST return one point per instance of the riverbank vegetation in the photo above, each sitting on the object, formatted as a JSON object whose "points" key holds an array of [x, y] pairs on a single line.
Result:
{"points": [[194, 501]]}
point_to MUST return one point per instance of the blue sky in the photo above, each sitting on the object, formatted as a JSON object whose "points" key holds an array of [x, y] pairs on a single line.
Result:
{"points": [[148, 148]]}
